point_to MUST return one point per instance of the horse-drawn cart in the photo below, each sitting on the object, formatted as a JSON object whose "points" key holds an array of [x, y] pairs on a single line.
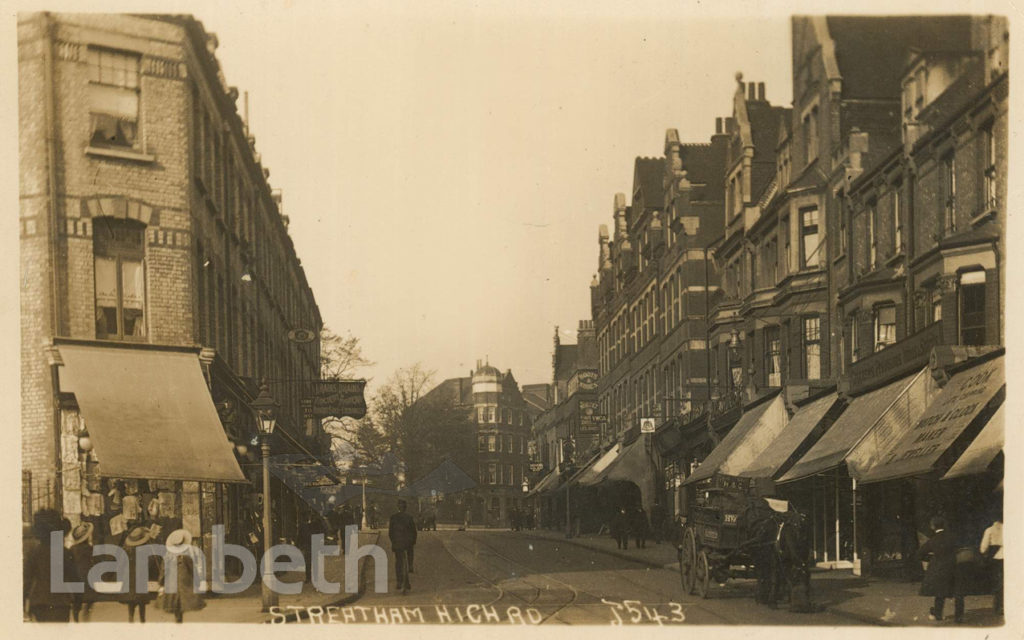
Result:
{"points": [[733, 531]]}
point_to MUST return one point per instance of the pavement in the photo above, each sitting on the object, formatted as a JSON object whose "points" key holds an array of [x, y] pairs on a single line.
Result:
{"points": [[247, 606], [867, 600]]}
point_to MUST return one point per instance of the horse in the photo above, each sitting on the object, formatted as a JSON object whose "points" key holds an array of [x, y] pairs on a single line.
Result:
{"points": [[781, 554]]}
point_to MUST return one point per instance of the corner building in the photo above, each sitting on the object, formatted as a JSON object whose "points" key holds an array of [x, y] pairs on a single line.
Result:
{"points": [[159, 282]]}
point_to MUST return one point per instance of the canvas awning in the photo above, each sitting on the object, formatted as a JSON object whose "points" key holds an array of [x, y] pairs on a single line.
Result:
{"points": [[546, 483], [596, 471], [446, 478], [739, 447], [771, 458], [915, 446], [979, 455], [862, 413], [315, 483], [148, 412]]}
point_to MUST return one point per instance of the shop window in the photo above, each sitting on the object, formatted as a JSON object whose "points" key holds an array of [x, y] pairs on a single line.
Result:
{"points": [[885, 326], [812, 348], [773, 356], [113, 97], [972, 308], [809, 238], [119, 247]]}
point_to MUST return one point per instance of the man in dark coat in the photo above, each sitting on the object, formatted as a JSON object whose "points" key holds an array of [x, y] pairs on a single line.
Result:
{"points": [[940, 577], [619, 528], [639, 527], [44, 604], [402, 533]]}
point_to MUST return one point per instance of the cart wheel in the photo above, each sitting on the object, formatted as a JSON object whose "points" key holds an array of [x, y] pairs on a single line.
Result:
{"points": [[688, 562], [703, 574]]}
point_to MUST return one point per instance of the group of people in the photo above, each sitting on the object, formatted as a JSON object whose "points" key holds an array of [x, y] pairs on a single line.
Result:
{"points": [[42, 604], [520, 518], [944, 578], [627, 522]]}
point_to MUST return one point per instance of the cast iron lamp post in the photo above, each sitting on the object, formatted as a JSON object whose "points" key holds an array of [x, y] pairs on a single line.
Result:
{"points": [[265, 408]]}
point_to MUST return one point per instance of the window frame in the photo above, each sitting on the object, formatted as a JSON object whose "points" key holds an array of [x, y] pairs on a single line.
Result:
{"points": [[809, 342], [773, 356], [877, 326], [136, 144], [120, 253], [963, 329], [805, 234]]}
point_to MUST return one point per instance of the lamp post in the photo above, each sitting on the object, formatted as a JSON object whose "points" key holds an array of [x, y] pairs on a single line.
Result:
{"points": [[363, 524], [265, 408]]}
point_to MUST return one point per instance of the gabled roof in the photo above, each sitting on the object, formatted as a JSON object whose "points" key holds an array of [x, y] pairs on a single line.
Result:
{"points": [[871, 50], [647, 176]]}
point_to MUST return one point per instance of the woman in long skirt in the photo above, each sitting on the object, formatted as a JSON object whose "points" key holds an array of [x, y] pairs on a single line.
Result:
{"points": [[181, 587]]}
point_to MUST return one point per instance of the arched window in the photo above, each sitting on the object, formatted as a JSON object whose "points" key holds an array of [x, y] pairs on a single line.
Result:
{"points": [[119, 249]]}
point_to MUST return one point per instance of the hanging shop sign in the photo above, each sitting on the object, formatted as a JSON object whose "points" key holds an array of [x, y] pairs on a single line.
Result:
{"points": [[590, 417], [339, 398]]}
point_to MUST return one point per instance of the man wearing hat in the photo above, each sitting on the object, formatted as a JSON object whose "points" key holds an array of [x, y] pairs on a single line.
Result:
{"points": [[81, 555], [402, 533], [45, 605]]}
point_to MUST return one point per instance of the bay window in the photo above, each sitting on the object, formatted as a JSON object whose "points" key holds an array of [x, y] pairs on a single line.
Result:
{"points": [[972, 308], [812, 348], [885, 326]]}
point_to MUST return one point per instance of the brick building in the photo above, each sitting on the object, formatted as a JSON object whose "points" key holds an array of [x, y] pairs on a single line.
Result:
{"points": [[504, 415], [149, 233]]}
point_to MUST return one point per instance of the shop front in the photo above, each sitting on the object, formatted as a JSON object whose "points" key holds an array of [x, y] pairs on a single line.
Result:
{"points": [[141, 441]]}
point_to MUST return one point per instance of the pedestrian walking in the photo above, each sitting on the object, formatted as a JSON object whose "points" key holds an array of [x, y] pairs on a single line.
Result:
{"points": [[619, 528], [992, 548], [43, 604], [81, 554], [138, 595], [402, 533], [179, 587], [940, 577], [639, 527]]}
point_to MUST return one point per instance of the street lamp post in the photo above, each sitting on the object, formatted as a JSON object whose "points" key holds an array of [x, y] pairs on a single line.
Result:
{"points": [[363, 525], [265, 408]]}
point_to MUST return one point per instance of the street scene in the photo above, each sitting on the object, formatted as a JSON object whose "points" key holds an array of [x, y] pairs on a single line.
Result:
{"points": [[493, 345]]}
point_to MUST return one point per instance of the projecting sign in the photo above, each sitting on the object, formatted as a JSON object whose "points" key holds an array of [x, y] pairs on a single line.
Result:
{"points": [[536, 466], [590, 418], [301, 336], [339, 398], [647, 425]]}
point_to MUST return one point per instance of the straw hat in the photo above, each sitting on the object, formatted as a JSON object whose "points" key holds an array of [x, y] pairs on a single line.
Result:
{"points": [[178, 541], [137, 536], [81, 533]]}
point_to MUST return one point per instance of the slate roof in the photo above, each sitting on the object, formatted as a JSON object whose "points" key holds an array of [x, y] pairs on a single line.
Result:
{"points": [[871, 51]]}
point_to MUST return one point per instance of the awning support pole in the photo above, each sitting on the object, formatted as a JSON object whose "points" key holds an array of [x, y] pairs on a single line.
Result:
{"points": [[853, 505], [837, 514]]}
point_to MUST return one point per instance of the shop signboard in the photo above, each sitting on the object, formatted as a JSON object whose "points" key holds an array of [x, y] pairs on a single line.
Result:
{"points": [[590, 417], [339, 398]]}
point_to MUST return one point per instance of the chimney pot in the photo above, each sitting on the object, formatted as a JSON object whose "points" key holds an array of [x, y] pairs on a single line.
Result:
{"points": [[751, 91], [760, 91], [718, 125]]}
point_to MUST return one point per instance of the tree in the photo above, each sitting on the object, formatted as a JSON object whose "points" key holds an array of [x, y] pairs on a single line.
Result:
{"points": [[341, 357], [421, 427]]}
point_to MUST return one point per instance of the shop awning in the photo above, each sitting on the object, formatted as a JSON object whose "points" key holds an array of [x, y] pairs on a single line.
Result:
{"points": [[149, 413], [546, 483], [743, 443], [668, 439], [772, 457], [915, 447], [863, 412], [315, 483], [634, 463], [446, 478], [596, 471], [979, 456]]}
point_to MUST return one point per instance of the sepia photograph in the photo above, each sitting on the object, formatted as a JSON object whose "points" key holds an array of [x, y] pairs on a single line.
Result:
{"points": [[455, 313]]}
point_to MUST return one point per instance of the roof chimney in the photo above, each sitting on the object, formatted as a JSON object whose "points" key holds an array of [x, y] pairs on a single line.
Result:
{"points": [[760, 91], [718, 125], [751, 91]]}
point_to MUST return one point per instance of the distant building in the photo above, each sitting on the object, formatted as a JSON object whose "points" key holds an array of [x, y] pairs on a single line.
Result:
{"points": [[504, 415]]}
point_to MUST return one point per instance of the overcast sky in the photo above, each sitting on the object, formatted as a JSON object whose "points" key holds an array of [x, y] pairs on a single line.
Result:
{"points": [[446, 172]]}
